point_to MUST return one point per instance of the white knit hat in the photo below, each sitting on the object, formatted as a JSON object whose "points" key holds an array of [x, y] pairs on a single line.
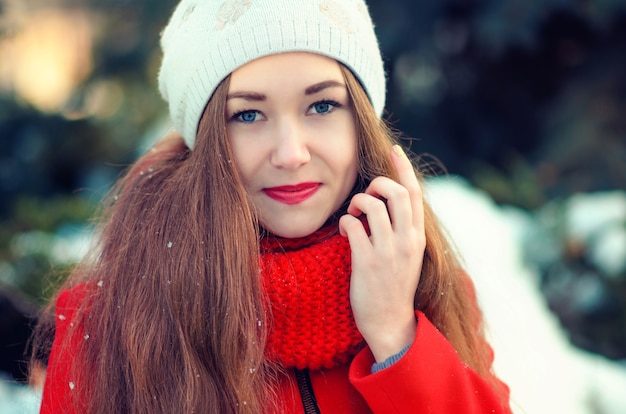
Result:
{"points": [[206, 40]]}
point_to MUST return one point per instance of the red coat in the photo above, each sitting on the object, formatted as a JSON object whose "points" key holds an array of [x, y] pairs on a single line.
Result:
{"points": [[429, 378]]}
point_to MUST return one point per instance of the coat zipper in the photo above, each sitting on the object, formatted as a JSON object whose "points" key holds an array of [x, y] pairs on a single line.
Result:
{"points": [[306, 392]]}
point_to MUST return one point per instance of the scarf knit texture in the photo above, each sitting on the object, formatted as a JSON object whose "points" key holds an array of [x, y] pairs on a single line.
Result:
{"points": [[307, 282]]}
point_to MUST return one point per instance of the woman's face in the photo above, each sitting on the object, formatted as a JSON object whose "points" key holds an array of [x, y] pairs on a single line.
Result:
{"points": [[291, 127]]}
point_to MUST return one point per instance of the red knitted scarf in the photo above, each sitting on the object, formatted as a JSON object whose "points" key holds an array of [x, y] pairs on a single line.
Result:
{"points": [[307, 281]]}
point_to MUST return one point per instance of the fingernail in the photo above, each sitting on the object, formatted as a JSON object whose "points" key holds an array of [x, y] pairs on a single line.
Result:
{"points": [[398, 150]]}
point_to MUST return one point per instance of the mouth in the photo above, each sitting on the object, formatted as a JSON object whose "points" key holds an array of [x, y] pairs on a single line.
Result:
{"points": [[292, 194]]}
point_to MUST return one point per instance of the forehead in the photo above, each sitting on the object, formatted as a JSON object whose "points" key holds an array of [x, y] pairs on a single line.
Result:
{"points": [[285, 70]]}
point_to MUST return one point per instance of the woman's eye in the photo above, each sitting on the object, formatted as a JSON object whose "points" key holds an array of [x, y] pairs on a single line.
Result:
{"points": [[247, 117], [323, 107]]}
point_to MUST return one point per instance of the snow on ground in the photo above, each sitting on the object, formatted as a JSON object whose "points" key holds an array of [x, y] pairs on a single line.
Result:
{"points": [[532, 354], [18, 399]]}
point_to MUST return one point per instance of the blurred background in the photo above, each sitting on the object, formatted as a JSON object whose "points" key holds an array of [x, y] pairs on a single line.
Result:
{"points": [[524, 99]]}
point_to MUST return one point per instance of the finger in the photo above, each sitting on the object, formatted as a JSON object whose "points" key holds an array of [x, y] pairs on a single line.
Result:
{"points": [[376, 214], [352, 228], [397, 200], [408, 179]]}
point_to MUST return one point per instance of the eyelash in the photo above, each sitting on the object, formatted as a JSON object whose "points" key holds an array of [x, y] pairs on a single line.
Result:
{"points": [[235, 117], [237, 114], [331, 102]]}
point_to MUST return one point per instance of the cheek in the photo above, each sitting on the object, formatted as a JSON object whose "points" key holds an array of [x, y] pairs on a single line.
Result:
{"points": [[243, 159], [351, 174], [349, 152], [339, 139], [346, 160]]}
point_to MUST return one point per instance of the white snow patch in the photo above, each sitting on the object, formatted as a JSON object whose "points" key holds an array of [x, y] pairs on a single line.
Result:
{"points": [[609, 252], [587, 214], [18, 399], [545, 373]]}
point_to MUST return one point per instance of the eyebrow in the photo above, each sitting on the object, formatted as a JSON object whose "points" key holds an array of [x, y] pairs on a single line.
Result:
{"points": [[318, 87], [248, 96], [311, 90]]}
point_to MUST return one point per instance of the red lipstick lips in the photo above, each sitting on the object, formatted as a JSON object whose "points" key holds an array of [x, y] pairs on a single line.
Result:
{"points": [[292, 194]]}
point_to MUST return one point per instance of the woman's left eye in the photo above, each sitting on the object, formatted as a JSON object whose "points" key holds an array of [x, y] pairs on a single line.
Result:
{"points": [[323, 107], [247, 116]]}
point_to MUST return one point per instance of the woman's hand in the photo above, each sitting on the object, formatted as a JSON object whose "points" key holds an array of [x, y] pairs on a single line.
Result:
{"points": [[386, 265]]}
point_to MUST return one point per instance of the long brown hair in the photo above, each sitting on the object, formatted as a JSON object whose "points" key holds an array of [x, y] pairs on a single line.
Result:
{"points": [[175, 312]]}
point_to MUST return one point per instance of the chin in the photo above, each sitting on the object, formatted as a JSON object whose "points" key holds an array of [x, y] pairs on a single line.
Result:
{"points": [[292, 232]]}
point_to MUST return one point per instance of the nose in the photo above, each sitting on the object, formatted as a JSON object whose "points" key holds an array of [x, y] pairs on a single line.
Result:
{"points": [[291, 149]]}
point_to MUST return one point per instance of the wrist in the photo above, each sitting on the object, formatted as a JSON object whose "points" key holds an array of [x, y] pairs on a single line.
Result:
{"points": [[379, 366], [390, 342]]}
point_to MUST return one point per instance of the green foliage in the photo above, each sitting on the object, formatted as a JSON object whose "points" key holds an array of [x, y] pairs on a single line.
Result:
{"points": [[49, 214], [519, 185], [35, 239]]}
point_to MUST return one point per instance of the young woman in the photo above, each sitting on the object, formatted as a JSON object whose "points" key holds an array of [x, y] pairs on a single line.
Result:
{"points": [[281, 258]]}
